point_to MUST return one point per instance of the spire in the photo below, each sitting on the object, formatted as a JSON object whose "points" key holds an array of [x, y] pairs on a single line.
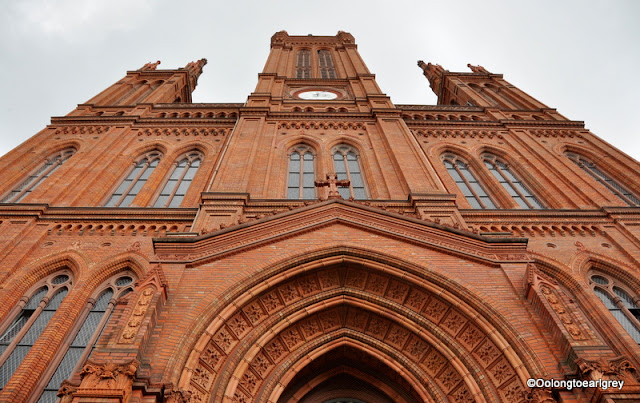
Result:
{"points": [[150, 66], [477, 69], [195, 68], [434, 73]]}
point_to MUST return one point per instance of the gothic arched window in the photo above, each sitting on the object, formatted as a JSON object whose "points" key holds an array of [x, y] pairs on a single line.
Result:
{"points": [[85, 339], [467, 182], [18, 338], [301, 181], [131, 185], [620, 302], [597, 174], [38, 176], [516, 189], [184, 170], [303, 64], [347, 165], [325, 63]]}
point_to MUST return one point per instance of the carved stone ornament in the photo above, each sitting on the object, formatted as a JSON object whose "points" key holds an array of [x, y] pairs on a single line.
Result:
{"points": [[540, 395], [66, 391], [176, 395], [616, 368], [566, 318], [108, 375], [135, 320], [135, 247]]}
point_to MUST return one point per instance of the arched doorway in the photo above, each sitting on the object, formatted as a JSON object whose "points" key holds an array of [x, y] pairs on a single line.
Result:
{"points": [[354, 329]]}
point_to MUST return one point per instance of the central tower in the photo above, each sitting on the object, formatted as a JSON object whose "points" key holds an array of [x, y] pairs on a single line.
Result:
{"points": [[318, 110]]}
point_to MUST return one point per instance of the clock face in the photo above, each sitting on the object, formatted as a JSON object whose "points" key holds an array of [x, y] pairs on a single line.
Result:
{"points": [[318, 95]]}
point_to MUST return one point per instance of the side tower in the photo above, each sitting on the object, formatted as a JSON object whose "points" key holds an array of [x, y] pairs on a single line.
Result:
{"points": [[149, 85]]}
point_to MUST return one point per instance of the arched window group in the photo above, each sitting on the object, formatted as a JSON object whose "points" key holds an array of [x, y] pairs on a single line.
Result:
{"points": [[514, 186], [620, 301], [21, 332], [131, 185], [469, 185], [179, 181], [478, 196], [476, 193], [601, 177], [325, 65], [38, 176], [174, 189], [302, 173]]}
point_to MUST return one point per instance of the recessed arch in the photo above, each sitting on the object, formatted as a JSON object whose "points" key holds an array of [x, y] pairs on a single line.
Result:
{"points": [[518, 357]]}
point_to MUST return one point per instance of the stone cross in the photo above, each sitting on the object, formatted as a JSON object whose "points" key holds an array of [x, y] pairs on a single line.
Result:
{"points": [[333, 183]]}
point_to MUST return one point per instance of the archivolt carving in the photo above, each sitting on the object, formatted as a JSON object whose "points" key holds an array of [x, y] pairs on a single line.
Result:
{"points": [[332, 301]]}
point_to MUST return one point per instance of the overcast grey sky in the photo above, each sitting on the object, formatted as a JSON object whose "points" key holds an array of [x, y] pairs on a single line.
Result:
{"points": [[579, 57]]}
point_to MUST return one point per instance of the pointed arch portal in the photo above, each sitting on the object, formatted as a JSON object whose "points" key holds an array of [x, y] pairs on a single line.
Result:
{"points": [[352, 330]]}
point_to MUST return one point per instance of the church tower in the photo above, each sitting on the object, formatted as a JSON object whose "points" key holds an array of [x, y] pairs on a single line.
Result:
{"points": [[318, 243]]}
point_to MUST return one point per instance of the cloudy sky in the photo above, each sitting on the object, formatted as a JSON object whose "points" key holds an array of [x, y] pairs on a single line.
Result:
{"points": [[579, 57]]}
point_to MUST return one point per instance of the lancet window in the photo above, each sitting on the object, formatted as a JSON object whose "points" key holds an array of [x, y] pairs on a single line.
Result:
{"points": [[346, 162], [599, 175], [301, 180], [303, 64], [38, 176], [85, 339], [469, 185], [131, 185], [622, 303], [174, 190], [325, 63], [516, 189], [23, 332]]}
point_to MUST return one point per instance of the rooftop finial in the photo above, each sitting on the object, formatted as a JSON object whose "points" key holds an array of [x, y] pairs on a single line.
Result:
{"points": [[195, 68], [150, 66], [477, 69]]}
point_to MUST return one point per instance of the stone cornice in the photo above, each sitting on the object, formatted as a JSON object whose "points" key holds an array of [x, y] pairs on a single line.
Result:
{"points": [[439, 108], [46, 213], [547, 215]]}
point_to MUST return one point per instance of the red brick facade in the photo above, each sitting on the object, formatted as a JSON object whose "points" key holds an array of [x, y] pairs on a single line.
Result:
{"points": [[206, 251]]}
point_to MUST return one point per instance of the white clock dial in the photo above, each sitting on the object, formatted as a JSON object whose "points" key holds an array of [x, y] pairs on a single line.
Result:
{"points": [[317, 95]]}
